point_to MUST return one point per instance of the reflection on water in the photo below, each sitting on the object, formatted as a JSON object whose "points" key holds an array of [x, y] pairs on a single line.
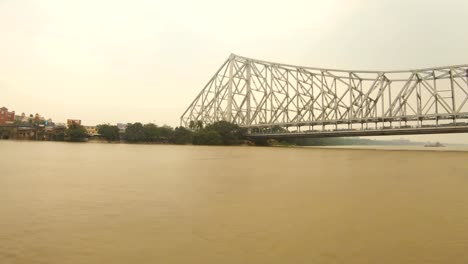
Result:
{"points": [[116, 203]]}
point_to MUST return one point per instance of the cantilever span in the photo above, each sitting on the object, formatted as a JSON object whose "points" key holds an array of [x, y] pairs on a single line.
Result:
{"points": [[281, 100]]}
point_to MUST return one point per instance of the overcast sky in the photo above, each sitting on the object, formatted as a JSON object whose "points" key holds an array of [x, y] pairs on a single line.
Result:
{"points": [[127, 61]]}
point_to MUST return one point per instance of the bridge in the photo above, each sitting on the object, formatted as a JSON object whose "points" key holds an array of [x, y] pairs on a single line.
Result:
{"points": [[277, 100]]}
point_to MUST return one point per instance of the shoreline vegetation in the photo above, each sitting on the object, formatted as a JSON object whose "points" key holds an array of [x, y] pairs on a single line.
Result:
{"points": [[218, 133]]}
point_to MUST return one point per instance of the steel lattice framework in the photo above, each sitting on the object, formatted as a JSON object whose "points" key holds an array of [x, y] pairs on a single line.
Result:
{"points": [[260, 95]]}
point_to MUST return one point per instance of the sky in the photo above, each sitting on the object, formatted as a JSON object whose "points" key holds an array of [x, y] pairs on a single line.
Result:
{"points": [[105, 61]]}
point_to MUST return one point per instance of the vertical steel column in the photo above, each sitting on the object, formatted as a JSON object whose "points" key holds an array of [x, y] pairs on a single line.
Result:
{"points": [[418, 96], [419, 100], [265, 80], [452, 88], [271, 91], [390, 100], [288, 101], [382, 99], [390, 112], [312, 114], [231, 80], [323, 99], [249, 91], [335, 103], [350, 91], [216, 98], [335, 99], [361, 100], [436, 99], [298, 110]]}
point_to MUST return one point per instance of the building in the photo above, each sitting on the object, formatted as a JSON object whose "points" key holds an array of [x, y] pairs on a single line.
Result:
{"points": [[6, 117], [28, 133], [91, 130], [60, 125], [122, 127], [38, 118], [49, 122], [73, 121]]}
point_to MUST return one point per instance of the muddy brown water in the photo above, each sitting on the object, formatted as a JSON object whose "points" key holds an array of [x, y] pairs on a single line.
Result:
{"points": [[117, 203]]}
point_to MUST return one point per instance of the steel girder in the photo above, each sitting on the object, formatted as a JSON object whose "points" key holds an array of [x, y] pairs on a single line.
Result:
{"points": [[254, 93]]}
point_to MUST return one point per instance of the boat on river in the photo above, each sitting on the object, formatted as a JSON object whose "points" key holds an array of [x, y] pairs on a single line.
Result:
{"points": [[434, 145]]}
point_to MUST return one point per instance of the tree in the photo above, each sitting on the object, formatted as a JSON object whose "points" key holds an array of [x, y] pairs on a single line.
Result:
{"points": [[181, 136], [207, 137], [192, 125], [76, 133], [151, 132], [135, 133], [231, 134], [58, 134], [199, 125], [108, 132], [165, 133]]}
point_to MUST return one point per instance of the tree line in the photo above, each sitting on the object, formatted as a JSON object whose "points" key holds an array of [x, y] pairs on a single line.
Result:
{"points": [[218, 133]]}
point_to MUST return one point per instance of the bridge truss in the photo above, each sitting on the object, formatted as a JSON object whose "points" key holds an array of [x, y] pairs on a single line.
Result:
{"points": [[279, 99]]}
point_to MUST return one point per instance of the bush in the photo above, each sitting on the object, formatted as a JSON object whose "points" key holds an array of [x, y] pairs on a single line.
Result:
{"points": [[135, 133], [108, 132], [182, 136], [76, 133], [148, 133], [207, 137], [231, 134]]}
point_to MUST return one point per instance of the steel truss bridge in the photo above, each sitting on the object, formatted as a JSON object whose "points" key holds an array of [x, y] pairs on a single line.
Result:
{"points": [[277, 100]]}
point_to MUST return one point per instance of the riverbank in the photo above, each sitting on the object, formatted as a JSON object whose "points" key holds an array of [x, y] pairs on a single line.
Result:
{"points": [[352, 147]]}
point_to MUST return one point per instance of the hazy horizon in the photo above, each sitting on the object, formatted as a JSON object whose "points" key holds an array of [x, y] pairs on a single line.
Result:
{"points": [[145, 61]]}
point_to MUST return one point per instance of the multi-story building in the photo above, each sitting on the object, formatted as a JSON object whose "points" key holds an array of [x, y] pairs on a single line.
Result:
{"points": [[6, 117], [21, 118], [73, 121]]}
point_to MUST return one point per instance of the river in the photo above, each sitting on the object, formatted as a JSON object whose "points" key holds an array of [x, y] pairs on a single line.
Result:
{"points": [[65, 203]]}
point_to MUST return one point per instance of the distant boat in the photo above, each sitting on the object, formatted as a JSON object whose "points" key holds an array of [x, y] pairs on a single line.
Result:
{"points": [[437, 144]]}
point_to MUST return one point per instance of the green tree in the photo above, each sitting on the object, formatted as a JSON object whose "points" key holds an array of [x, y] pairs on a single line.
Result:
{"points": [[165, 133], [199, 125], [151, 132], [231, 134], [135, 133], [76, 133], [108, 132], [207, 137], [181, 136], [192, 125], [58, 134]]}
